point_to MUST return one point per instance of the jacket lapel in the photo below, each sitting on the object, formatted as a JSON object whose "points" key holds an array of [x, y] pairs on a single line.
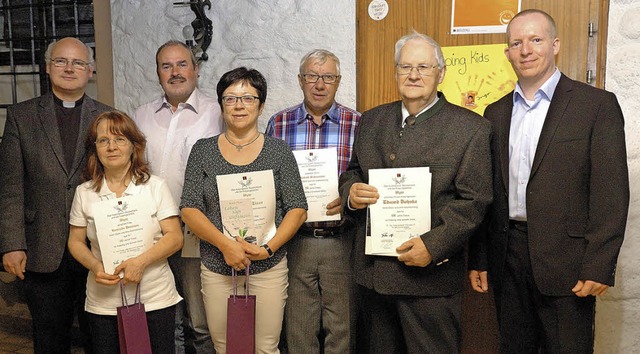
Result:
{"points": [[47, 116], [503, 126], [87, 115], [558, 106]]}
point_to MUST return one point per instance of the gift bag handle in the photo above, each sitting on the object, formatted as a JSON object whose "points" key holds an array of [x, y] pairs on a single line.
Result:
{"points": [[123, 295], [234, 278]]}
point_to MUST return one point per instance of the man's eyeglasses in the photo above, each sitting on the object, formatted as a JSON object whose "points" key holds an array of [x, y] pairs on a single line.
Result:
{"points": [[313, 78], [423, 69], [119, 140], [246, 100], [76, 63]]}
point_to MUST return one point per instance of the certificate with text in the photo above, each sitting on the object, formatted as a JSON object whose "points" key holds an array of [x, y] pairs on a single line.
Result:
{"points": [[403, 210], [124, 228], [248, 205], [319, 175]]}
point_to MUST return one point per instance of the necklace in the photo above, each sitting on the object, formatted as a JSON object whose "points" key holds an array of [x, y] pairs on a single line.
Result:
{"points": [[240, 146]]}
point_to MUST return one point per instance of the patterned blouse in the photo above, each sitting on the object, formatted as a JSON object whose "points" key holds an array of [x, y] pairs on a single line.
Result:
{"points": [[201, 191]]}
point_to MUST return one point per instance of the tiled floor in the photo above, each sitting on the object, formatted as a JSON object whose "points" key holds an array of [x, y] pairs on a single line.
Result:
{"points": [[16, 339], [15, 321], [15, 335]]}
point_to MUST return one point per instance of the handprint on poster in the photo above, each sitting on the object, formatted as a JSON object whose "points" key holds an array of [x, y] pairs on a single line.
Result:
{"points": [[476, 75]]}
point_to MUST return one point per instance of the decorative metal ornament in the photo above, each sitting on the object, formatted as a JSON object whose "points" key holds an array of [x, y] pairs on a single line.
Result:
{"points": [[201, 28]]}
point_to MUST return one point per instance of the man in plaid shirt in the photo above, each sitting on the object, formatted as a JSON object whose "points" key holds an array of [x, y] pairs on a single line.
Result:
{"points": [[320, 306]]}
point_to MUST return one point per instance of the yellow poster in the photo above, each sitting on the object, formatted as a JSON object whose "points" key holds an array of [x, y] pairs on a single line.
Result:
{"points": [[477, 75]]}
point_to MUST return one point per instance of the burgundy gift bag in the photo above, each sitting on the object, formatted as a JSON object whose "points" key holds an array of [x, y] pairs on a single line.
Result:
{"points": [[132, 325], [241, 319]]}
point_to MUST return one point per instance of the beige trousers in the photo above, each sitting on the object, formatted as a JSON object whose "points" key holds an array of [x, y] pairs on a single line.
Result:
{"points": [[270, 288]]}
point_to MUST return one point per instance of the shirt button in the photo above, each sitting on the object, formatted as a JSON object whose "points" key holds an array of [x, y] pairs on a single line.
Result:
{"points": [[392, 157]]}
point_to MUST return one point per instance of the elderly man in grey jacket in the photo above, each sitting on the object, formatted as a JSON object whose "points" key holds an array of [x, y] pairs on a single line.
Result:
{"points": [[412, 302]]}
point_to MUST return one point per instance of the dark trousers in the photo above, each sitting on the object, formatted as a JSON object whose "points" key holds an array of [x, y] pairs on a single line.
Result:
{"points": [[53, 300], [530, 321], [409, 324], [104, 332]]}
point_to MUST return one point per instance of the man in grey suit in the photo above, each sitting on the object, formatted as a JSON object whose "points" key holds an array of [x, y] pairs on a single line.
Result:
{"points": [[42, 155], [412, 303], [561, 198]]}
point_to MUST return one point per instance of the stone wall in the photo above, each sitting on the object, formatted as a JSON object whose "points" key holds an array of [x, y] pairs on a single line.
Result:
{"points": [[618, 312], [270, 36]]}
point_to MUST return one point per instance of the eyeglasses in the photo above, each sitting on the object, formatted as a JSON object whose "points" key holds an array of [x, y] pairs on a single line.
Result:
{"points": [[313, 78], [423, 69], [76, 63], [105, 142], [246, 100]]}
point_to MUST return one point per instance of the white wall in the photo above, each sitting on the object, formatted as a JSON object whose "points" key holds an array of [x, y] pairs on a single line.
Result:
{"points": [[270, 36], [618, 313]]}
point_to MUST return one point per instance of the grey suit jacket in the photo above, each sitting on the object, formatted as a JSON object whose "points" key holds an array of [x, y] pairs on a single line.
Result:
{"points": [[454, 143], [36, 189], [577, 195]]}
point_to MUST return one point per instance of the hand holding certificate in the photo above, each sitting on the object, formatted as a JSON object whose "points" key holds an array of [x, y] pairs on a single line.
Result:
{"points": [[124, 228], [403, 210], [247, 205]]}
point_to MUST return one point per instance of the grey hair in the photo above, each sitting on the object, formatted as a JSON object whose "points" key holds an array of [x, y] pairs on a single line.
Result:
{"points": [[321, 56], [47, 53], [423, 37]]}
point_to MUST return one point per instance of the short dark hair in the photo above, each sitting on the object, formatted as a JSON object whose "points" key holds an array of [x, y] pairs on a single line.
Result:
{"points": [[119, 124], [251, 76], [175, 43]]}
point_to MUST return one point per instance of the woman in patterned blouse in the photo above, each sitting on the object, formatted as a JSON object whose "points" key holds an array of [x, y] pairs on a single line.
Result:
{"points": [[242, 149]]}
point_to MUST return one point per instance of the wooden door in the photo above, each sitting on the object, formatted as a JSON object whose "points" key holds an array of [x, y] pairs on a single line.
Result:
{"points": [[375, 40]]}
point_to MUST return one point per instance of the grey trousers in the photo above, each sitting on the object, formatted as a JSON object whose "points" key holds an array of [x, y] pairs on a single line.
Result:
{"points": [[320, 306], [192, 314]]}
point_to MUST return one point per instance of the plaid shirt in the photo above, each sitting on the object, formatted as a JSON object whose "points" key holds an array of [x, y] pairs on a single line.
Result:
{"points": [[295, 126]]}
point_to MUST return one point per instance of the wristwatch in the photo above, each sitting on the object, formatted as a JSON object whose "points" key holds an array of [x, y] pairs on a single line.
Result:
{"points": [[269, 251]]}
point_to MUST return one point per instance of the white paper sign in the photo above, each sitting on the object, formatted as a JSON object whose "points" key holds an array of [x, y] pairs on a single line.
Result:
{"points": [[124, 228], [191, 245], [319, 175], [248, 205], [403, 210]]}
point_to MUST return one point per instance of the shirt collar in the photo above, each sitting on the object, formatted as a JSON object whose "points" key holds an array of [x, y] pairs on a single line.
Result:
{"points": [[405, 112], [192, 102], [332, 113], [132, 189], [547, 89]]}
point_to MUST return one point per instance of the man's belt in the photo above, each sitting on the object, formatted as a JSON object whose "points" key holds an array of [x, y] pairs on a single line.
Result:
{"points": [[321, 232]]}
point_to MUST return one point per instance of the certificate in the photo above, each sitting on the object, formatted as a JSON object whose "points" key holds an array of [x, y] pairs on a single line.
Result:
{"points": [[403, 210], [248, 205], [124, 228], [319, 175]]}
